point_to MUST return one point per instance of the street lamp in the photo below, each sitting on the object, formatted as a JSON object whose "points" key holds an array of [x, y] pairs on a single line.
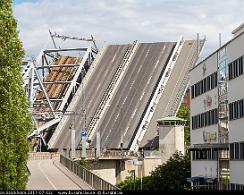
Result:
{"points": [[133, 174]]}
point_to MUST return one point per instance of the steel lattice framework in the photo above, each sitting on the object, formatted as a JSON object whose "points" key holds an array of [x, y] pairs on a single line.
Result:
{"points": [[51, 80]]}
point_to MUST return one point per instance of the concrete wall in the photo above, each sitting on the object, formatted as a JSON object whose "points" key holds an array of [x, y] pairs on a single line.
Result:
{"points": [[235, 49], [237, 172], [171, 138], [105, 169], [197, 103], [115, 171], [149, 165], [204, 168], [235, 92]]}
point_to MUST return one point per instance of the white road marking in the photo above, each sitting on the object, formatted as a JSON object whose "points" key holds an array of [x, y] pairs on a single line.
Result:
{"points": [[132, 84], [156, 64], [39, 166], [134, 113], [142, 95], [149, 80], [114, 58], [124, 100], [139, 69], [163, 49], [126, 131], [117, 117]]}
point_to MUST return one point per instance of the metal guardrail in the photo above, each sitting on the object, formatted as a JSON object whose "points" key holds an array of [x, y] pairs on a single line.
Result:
{"points": [[108, 154], [90, 178], [148, 153], [42, 155]]}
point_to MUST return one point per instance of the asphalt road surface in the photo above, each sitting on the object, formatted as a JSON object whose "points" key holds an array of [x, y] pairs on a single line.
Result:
{"points": [[92, 93], [173, 86], [51, 175], [128, 104]]}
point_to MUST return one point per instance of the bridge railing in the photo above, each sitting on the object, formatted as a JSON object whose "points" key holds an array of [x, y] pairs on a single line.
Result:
{"points": [[90, 178], [110, 154], [42, 155]]}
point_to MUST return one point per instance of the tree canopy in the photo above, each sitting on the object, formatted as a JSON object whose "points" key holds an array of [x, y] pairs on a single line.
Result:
{"points": [[184, 112], [15, 120], [170, 176]]}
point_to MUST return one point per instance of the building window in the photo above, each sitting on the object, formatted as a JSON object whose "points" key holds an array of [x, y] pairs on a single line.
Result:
{"points": [[214, 154], [204, 154], [237, 154], [242, 151], [205, 119], [241, 108], [204, 85], [232, 151], [236, 109], [231, 111], [235, 68]]}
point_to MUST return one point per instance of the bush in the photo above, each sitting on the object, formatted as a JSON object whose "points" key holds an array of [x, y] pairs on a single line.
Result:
{"points": [[168, 176], [84, 164]]}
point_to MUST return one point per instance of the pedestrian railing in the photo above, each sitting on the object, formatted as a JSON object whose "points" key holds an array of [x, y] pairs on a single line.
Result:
{"points": [[108, 154], [42, 155], [90, 178]]}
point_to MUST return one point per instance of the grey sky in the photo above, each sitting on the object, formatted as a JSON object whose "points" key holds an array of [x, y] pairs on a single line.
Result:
{"points": [[122, 21]]}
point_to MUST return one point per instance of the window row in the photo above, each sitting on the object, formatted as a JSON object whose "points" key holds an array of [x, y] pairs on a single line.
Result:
{"points": [[205, 119], [235, 68], [236, 187], [204, 154], [236, 109], [204, 85], [237, 151]]}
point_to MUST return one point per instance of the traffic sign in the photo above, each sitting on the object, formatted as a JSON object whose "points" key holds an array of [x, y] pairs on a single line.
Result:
{"points": [[83, 133]]}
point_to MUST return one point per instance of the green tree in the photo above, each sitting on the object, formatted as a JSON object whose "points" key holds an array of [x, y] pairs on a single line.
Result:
{"points": [[172, 174], [184, 112], [15, 120], [129, 184], [168, 176]]}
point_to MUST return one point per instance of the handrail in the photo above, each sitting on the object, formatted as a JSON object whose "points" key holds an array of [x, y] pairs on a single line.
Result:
{"points": [[90, 178], [42, 155]]}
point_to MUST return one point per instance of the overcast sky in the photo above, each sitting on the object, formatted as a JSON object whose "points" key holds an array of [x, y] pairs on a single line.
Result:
{"points": [[123, 21]]}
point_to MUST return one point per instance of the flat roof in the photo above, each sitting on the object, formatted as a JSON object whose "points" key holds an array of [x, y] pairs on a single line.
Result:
{"points": [[219, 48], [209, 146], [170, 118], [238, 28]]}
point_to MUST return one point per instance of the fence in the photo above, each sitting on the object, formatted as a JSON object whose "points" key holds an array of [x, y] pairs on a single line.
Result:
{"points": [[151, 153], [42, 155], [108, 154], [90, 178]]}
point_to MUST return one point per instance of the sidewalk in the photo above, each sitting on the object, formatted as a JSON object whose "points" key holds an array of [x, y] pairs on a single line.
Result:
{"points": [[83, 185]]}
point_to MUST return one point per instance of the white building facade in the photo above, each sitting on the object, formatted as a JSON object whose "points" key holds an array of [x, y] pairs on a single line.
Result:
{"points": [[217, 117]]}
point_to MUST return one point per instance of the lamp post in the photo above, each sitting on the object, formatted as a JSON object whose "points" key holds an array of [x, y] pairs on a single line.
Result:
{"points": [[72, 130]]}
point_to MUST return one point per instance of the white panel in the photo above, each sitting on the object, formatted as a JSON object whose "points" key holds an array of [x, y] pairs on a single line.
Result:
{"points": [[196, 74], [235, 89], [204, 168], [197, 134], [236, 133], [237, 172], [235, 48], [197, 104]]}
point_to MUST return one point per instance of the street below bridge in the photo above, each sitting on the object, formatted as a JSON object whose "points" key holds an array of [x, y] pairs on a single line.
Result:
{"points": [[49, 174]]}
